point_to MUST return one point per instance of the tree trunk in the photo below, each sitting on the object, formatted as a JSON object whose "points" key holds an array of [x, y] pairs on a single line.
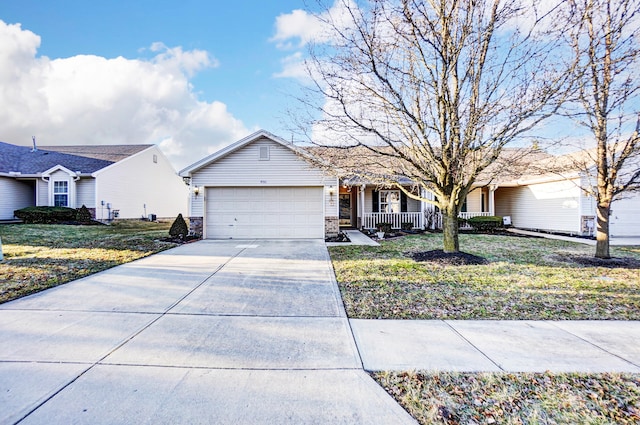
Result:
{"points": [[602, 231], [450, 232]]}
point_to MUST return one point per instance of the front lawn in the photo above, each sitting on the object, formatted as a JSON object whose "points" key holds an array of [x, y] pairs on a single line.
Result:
{"points": [[39, 256], [522, 398], [524, 278]]}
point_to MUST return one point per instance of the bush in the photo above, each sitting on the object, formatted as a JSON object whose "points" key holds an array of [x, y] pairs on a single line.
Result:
{"points": [[383, 227], [407, 225], [179, 228], [83, 215], [486, 223], [46, 215]]}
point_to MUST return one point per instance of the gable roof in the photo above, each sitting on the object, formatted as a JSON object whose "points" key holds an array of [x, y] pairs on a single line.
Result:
{"points": [[87, 159], [185, 172]]}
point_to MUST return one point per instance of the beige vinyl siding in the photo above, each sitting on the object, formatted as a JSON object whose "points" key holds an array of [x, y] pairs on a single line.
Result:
{"points": [[85, 193], [14, 194], [244, 168], [474, 200], [553, 206], [587, 203], [42, 195], [137, 186], [625, 217]]}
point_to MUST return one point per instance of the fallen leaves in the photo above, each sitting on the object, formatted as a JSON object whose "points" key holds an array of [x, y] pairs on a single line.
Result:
{"points": [[516, 398]]}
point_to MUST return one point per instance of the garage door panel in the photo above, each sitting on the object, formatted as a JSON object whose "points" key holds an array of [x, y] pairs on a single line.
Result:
{"points": [[282, 212]]}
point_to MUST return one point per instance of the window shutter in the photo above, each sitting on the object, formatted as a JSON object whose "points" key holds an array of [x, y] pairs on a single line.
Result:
{"points": [[403, 202], [375, 207]]}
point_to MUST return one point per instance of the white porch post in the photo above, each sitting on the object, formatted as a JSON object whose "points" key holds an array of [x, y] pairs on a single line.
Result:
{"points": [[423, 209], [361, 188], [492, 199]]}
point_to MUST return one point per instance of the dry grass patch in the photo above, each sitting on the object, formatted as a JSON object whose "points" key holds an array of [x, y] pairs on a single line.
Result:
{"points": [[37, 257], [524, 278], [522, 398]]}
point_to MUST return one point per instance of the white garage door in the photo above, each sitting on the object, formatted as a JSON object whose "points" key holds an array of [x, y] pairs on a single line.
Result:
{"points": [[264, 212], [625, 217]]}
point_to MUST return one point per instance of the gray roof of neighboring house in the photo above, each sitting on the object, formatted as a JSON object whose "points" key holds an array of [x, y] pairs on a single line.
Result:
{"points": [[86, 159], [113, 153]]}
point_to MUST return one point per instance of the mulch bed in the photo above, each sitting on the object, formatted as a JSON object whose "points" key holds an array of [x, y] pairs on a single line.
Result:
{"points": [[448, 258], [611, 263]]}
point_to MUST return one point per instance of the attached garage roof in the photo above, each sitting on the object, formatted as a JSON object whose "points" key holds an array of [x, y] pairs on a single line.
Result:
{"points": [[186, 172]]}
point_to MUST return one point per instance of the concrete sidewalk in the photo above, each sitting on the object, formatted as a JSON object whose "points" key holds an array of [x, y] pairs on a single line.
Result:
{"points": [[499, 346], [225, 332]]}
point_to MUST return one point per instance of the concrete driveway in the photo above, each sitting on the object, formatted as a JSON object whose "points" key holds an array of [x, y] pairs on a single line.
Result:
{"points": [[224, 332]]}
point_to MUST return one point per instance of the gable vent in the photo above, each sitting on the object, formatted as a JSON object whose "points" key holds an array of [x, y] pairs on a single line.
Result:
{"points": [[264, 153]]}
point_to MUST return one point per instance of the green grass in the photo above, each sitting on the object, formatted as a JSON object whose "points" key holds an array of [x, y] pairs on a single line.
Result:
{"points": [[526, 278], [523, 398], [37, 257]]}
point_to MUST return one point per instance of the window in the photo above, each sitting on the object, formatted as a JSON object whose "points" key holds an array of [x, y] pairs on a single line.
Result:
{"points": [[264, 153], [390, 201], [61, 193]]}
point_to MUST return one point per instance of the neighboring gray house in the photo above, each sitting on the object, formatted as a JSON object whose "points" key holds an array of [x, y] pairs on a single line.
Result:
{"points": [[125, 181]]}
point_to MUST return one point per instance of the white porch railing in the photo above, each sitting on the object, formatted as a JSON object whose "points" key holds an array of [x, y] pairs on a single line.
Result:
{"points": [[370, 220], [437, 219]]}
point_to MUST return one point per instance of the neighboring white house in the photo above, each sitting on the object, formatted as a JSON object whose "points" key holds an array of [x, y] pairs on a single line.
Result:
{"points": [[112, 181], [558, 204], [261, 187]]}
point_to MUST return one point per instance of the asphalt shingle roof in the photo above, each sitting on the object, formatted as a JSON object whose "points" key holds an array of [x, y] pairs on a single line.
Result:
{"points": [[86, 159]]}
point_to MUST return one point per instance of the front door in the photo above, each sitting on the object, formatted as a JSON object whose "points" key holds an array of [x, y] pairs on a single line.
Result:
{"points": [[345, 210]]}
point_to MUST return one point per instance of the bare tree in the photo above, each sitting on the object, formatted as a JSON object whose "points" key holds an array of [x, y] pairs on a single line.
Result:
{"points": [[431, 91], [606, 42]]}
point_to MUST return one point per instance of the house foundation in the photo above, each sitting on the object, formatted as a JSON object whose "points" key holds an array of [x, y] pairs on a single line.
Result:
{"points": [[195, 226], [331, 226]]}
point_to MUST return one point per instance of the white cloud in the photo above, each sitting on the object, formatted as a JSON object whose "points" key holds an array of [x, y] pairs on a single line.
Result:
{"points": [[297, 24], [293, 66], [89, 99], [295, 30]]}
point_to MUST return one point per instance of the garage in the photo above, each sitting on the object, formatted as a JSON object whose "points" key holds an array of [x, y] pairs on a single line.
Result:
{"points": [[264, 212], [624, 219]]}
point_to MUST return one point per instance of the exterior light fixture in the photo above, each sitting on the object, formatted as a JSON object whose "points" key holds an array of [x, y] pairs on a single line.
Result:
{"points": [[332, 191], [196, 190]]}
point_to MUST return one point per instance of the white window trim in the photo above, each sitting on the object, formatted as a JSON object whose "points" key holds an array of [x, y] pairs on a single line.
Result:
{"points": [[384, 204], [65, 193]]}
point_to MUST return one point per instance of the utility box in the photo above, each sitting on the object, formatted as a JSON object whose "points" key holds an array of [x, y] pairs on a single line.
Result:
{"points": [[506, 220], [152, 217]]}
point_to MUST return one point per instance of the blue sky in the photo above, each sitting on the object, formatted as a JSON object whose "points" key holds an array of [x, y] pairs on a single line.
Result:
{"points": [[219, 62]]}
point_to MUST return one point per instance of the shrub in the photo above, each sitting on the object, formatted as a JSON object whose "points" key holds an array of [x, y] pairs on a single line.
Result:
{"points": [[485, 223], [407, 225], [383, 227], [83, 215], [179, 228], [46, 215]]}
